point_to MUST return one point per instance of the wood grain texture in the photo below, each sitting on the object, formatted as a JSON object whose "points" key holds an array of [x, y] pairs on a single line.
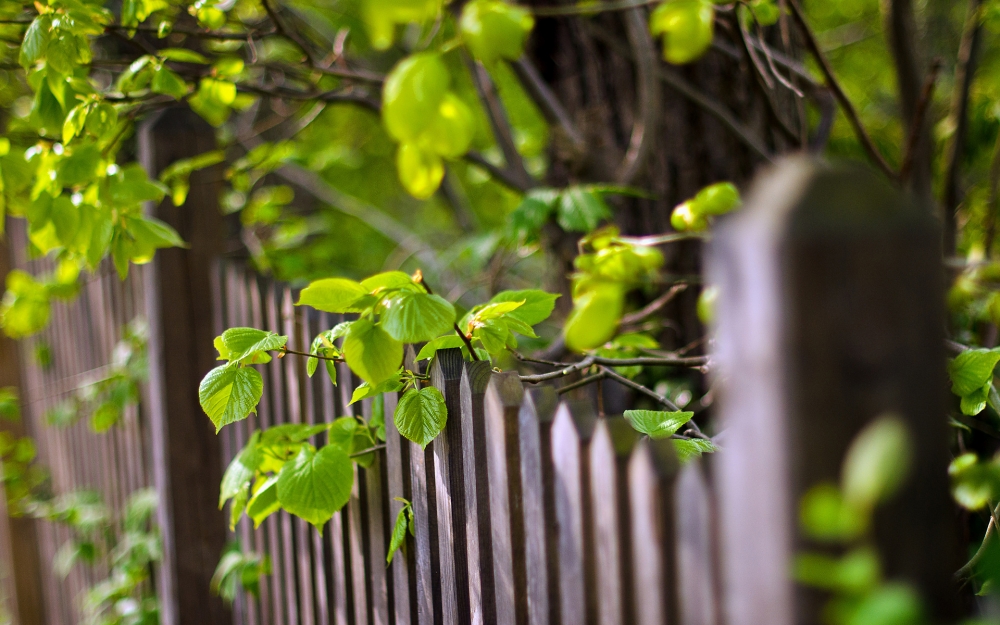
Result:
{"points": [[831, 314], [696, 547], [397, 452], [449, 487], [186, 452], [479, 542], [571, 432], [537, 409], [501, 406], [425, 538], [652, 472]]}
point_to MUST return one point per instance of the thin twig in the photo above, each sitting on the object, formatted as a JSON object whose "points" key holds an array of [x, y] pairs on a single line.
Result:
{"points": [[661, 239], [917, 124], [838, 92], [583, 382], [679, 84], [291, 36], [610, 373], [458, 330], [365, 452], [967, 571], [499, 174], [548, 103], [498, 121], [285, 350], [653, 307]]}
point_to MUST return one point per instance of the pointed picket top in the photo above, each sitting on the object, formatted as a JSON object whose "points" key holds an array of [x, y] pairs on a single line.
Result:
{"points": [[476, 377], [505, 391], [572, 430], [652, 473], [446, 366]]}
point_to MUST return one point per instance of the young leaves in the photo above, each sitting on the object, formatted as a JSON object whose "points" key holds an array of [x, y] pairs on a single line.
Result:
{"points": [[421, 415], [230, 393], [332, 295], [404, 524], [972, 378], [693, 448], [371, 352], [411, 317], [316, 484], [657, 424]]}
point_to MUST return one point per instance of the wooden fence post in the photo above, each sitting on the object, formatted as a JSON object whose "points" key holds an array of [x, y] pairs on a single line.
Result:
{"points": [[20, 561], [830, 314], [187, 459]]}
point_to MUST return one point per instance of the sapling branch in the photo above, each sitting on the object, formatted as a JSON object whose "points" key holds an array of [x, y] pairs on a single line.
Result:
{"points": [[917, 123], [365, 452]]}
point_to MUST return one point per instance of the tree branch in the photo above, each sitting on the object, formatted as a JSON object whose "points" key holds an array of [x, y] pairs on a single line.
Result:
{"points": [[498, 121], [993, 201], [653, 307], [965, 70], [548, 103], [643, 138], [918, 123], [291, 36], [838, 92]]}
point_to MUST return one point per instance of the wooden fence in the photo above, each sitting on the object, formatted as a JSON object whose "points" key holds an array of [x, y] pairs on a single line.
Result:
{"points": [[533, 510]]}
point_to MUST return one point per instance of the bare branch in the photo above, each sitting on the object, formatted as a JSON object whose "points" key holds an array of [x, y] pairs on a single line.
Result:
{"points": [[917, 125], [838, 92], [993, 201], [288, 34], [547, 102], [965, 70], [653, 307], [499, 122], [648, 117]]}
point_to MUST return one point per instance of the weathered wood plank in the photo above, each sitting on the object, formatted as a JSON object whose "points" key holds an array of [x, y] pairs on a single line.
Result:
{"points": [[571, 432], [378, 533], [449, 487], [186, 452], [421, 494], [398, 469], [501, 407], [696, 547], [652, 473], [482, 593], [609, 451], [537, 411], [830, 315]]}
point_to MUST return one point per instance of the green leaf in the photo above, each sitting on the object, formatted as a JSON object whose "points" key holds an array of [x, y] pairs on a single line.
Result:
{"points": [[421, 415], [537, 305], [595, 317], [316, 484], [445, 342], [166, 81], [240, 471], [264, 502], [974, 403], [332, 295], [366, 390], [532, 214], [389, 280], [580, 210], [657, 424], [230, 393], [245, 343], [399, 530], [825, 515], [36, 39], [693, 448], [971, 369], [877, 461], [182, 55], [371, 352], [411, 317]]}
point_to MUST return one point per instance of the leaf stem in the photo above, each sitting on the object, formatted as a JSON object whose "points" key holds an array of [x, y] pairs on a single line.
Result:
{"points": [[365, 452], [465, 339], [285, 350]]}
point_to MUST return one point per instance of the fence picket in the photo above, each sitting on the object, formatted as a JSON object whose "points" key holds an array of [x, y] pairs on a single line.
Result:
{"points": [[425, 534], [377, 532], [398, 479], [652, 473], [609, 451], [449, 488], [482, 593], [695, 547], [501, 405], [571, 432], [537, 410]]}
